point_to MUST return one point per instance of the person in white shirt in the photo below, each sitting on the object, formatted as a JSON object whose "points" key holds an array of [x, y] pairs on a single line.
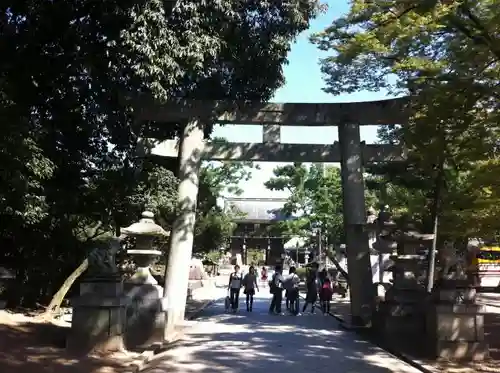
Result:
{"points": [[250, 284], [235, 283], [276, 289]]}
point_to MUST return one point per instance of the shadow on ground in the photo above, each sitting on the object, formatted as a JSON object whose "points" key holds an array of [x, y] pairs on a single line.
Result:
{"points": [[341, 308], [251, 342], [39, 348], [28, 346]]}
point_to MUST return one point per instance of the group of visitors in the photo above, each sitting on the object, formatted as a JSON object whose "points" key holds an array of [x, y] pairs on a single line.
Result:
{"points": [[318, 285], [247, 282]]}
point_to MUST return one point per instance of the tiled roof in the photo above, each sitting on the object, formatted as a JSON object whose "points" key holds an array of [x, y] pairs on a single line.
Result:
{"points": [[257, 209]]}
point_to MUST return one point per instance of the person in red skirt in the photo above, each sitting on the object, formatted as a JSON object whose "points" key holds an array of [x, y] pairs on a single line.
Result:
{"points": [[263, 275], [325, 295]]}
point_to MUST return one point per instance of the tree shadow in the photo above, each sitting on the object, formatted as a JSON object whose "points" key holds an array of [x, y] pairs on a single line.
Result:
{"points": [[40, 348], [247, 342]]}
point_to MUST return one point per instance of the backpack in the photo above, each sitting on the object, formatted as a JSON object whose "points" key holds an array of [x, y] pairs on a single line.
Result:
{"points": [[291, 284], [273, 283]]}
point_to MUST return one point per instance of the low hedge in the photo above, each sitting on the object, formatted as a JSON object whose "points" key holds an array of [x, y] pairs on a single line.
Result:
{"points": [[302, 273]]}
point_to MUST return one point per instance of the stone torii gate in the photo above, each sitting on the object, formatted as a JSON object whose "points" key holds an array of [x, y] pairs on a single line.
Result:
{"points": [[191, 148]]}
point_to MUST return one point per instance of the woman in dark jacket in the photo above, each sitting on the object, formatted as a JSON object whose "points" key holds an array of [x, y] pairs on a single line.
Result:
{"points": [[312, 289]]}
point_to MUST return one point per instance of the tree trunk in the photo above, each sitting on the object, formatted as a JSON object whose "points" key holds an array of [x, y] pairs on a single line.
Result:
{"points": [[337, 265], [435, 211], [57, 299]]}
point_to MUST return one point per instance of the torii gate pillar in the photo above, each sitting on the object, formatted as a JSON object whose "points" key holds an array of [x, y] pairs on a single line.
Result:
{"points": [[181, 237], [356, 239]]}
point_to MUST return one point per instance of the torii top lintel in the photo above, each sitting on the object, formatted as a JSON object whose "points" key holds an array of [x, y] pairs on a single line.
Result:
{"points": [[390, 111]]}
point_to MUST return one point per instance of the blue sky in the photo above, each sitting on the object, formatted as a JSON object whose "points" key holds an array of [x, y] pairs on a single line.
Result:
{"points": [[304, 83]]}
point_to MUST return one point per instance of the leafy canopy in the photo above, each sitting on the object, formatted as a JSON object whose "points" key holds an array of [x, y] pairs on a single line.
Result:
{"points": [[445, 55], [68, 139], [315, 198]]}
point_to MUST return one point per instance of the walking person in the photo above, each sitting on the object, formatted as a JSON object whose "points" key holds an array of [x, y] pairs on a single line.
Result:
{"points": [[234, 287], [263, 275], [325, 295], [287, 296], [322, 275], [312, 288], [292, 285], [250, 284], [276, 288], [286, 285]]}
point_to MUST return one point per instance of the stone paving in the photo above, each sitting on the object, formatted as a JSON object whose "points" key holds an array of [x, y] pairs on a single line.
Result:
{"points": [[245, 342]]}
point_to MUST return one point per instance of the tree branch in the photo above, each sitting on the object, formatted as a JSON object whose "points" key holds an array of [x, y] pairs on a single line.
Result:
{"points": [[484, 37]]}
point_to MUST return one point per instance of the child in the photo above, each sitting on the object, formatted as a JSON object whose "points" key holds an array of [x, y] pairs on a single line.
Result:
{"points": [[263, 275], [325, 295]]}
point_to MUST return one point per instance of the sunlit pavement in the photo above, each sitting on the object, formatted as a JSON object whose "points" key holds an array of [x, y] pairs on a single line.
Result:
{"points": [[259, 342]]}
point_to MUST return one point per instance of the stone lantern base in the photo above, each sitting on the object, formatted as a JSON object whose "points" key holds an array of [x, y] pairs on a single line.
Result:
{"points": [[145, 316], [455, 324], [400, 317], [99, 314], [458, 332]]}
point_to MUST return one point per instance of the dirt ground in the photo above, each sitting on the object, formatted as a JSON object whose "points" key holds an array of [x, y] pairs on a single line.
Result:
{"points": [[341, 308], [29, 346]]}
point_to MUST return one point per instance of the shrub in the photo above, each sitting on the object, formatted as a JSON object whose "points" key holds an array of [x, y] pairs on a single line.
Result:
{"points": [[302, 273]]}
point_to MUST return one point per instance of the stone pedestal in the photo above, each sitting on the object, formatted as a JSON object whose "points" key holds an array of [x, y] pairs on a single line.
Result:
{"points": [[98, 321], [458, 332], [455, 324], [402, 323], [145, 318], [401, 316]]}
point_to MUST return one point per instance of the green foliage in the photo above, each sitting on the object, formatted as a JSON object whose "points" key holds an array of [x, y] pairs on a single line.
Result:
{"points": [[69, 171], [476, 209], [315, 198], [380, 44], [213, 230], [445, 55], [255, 257], [214, 255], [214, 226], [302, 273]]}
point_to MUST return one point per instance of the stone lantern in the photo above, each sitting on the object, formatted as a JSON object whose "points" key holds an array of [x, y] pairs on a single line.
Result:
{"points": [[145, 232], [401, 311], [145, 318], [306, 256]]}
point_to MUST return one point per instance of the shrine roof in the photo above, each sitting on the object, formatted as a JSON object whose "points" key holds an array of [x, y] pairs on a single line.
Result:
{"points": [[257, 209]]}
